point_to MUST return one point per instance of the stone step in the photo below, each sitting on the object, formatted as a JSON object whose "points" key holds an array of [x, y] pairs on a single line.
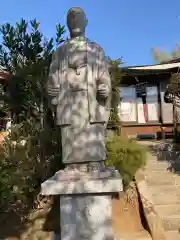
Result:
{"points": [[143, 235], [161, 177], [155, 162], [151, 156], [174, 166], [166, 156], [154, 178], [153, 159], [165, 194], [168, 210], [171, 223], [158, 167], [173, 235]]}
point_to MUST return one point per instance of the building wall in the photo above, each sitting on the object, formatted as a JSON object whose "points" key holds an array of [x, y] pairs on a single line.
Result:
{"points": [[133, 131], [163, 112]]}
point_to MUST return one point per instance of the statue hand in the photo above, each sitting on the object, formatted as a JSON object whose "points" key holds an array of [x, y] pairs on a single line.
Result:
{"points": [[103, 90]]}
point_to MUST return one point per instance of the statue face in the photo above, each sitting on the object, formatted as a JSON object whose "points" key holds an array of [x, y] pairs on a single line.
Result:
{"points": [[76, 21]]}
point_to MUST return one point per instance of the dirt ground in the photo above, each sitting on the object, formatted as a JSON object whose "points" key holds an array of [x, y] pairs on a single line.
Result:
{"points": [[127, 214]]}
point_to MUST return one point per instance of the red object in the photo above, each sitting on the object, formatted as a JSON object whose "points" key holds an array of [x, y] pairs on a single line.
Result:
{"points": [[4, 76], [145, 111]]}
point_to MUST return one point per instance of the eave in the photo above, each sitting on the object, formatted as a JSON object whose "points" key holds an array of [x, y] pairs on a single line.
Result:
{"points": [[151, 69]]}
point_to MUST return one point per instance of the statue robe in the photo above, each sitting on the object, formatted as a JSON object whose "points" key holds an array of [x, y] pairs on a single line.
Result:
{"points": [[77, 71]]}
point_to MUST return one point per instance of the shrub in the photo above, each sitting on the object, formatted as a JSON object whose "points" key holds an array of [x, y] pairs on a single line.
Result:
{"points": [[126, 156], [176, 135], [26, 159]]}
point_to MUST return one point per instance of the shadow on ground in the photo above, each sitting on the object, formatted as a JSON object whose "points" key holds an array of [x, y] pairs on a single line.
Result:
{"points": [[37, 224], [166, 151]]}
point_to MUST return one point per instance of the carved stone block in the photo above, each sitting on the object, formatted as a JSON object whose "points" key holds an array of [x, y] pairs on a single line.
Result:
{"points": [[86, 218]]}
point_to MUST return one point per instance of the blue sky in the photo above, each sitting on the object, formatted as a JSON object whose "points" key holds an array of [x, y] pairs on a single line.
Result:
{"points": [[127, 28]]}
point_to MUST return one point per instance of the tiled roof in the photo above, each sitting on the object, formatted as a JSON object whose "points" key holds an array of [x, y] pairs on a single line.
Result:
{"points": [[150, 69], [157, 66]]}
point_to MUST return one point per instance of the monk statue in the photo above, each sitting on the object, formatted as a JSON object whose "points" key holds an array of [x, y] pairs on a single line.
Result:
{"points": [[79, 90]]}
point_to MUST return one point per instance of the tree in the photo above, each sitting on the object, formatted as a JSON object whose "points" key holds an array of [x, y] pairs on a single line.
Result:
{"points": [[173, 88], [115, 74], [26, 54], [161, 56], [172, 93], [29, 154]]}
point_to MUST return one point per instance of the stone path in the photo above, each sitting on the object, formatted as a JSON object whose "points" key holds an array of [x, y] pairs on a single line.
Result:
{"points": [[144, 235], [163, 178]]}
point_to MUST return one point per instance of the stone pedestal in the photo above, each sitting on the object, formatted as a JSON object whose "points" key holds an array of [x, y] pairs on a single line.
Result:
{"points": [[85, 202], [86, 217]]}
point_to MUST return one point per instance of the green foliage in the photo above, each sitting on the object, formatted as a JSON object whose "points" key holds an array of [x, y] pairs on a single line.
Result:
{"points": [[173, 87], [26, 54], [115, 74], [27, 158], [176, 136], [126, 156], [172, 95]]}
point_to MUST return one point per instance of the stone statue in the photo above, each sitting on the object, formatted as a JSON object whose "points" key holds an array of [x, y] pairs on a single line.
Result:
{"points": [[79, 89]]}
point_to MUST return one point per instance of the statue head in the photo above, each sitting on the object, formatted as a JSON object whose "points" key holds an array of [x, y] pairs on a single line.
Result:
{"points": [[76, 21]]}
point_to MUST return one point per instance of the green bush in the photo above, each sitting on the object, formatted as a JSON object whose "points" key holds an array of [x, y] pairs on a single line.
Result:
{"points": [[176, 135], [126, 156], [27, 158]]}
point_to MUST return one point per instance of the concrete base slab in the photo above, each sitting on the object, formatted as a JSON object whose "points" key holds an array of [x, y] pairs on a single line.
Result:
{"points": [[85, 202], [66, 182]]}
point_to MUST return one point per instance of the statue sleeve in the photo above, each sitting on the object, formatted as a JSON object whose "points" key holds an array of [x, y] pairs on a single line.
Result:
{"points": [[103, 72], [52, 85], [105, 80]]}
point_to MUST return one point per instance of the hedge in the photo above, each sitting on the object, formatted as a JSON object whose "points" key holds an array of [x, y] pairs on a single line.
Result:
{"points": [[125, 155], [29, 156]]}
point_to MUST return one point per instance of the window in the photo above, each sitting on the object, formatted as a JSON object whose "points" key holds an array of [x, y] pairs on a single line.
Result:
{"points": [[152, 103], [167, 108], [127, 108], [139, 104]]}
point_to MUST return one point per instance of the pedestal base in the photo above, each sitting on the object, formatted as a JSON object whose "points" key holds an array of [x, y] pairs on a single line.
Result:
{"points": [[86, 217], [85, 202]]}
